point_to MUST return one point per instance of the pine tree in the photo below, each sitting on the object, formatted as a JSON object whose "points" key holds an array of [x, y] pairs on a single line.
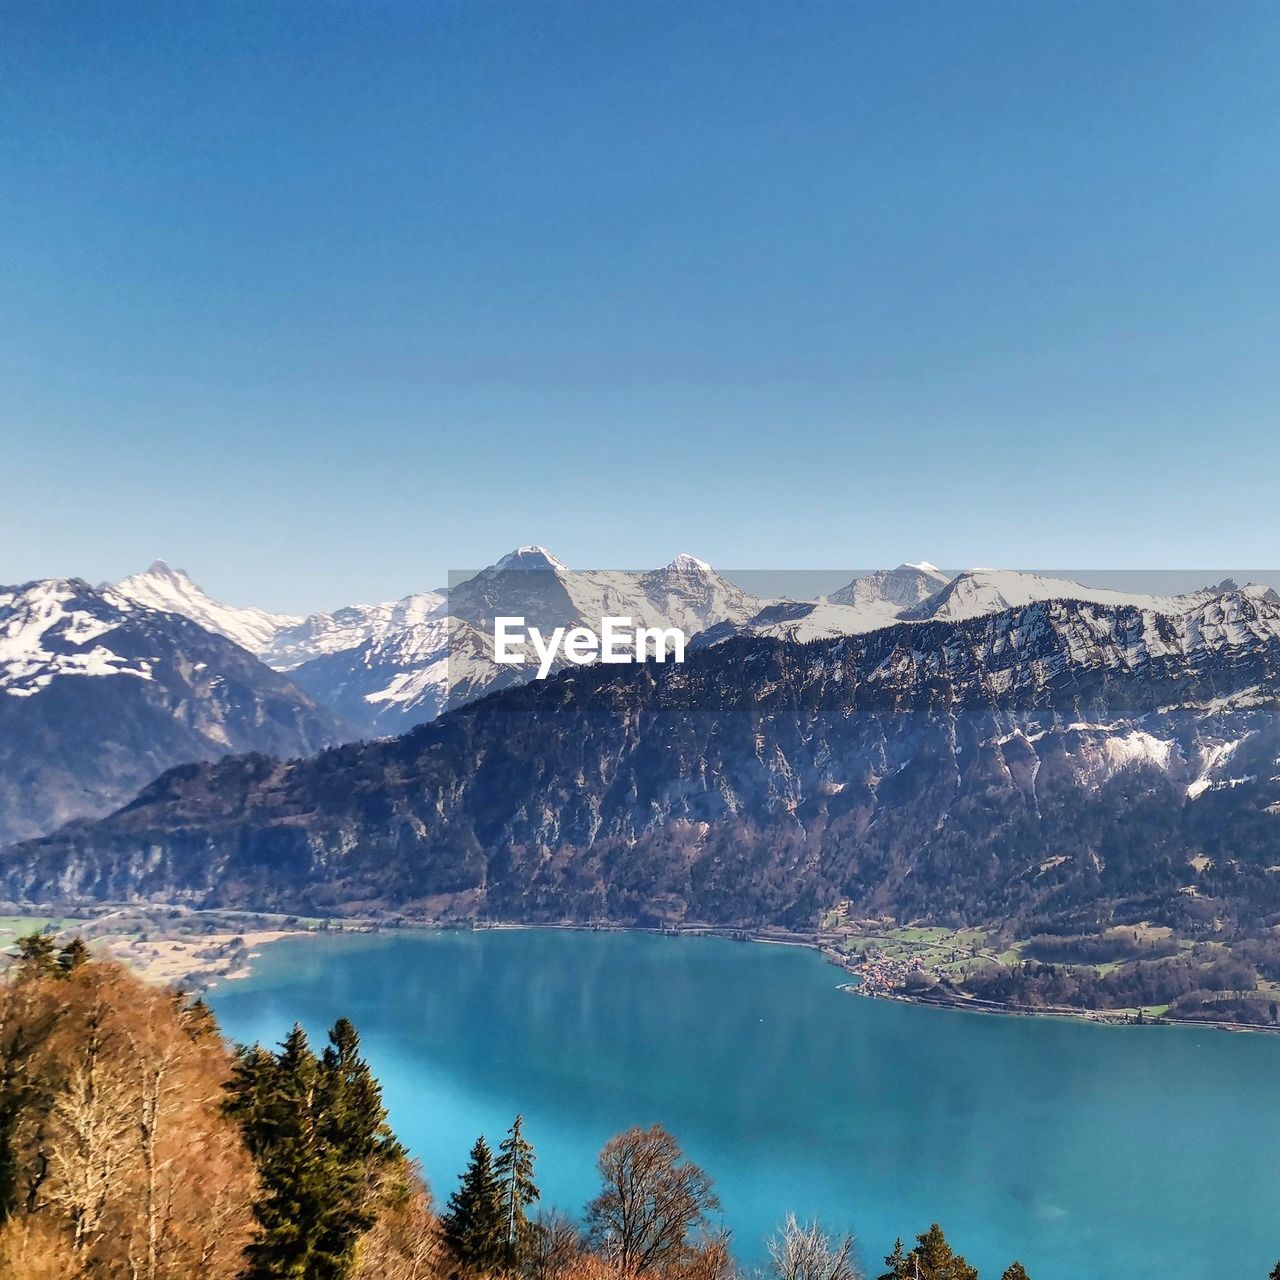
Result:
{"points": [[281, 1133], [514, 1169], [317, 1130], [474, 1223], [36, 956], [1016, 1271], [896, 1263], [358, 1145], [933, 1259], [73, 955], [197, 1017]]}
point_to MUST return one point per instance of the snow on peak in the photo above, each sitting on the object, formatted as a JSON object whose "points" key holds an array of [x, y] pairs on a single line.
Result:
{"points": [[56, 628], [321, 634], [530, 557], [981, 591], [685, 563], [172, 591], [923, 566], [903, 587], [162, 569]]}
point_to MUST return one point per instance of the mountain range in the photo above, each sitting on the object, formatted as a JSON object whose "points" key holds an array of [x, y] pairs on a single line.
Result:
{"points": [[384, 668], [1061, 759], [99, 693], [980, 740]]}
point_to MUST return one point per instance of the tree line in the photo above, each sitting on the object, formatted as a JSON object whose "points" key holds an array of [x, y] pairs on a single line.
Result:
{"points": [[136, 1145]]}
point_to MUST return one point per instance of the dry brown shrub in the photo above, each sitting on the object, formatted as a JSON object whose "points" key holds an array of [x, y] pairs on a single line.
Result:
{"points": [[406, 1242], [35, 1249], [123, 1154]]}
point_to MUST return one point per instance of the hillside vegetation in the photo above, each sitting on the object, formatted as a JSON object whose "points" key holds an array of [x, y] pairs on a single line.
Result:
{"points": [[136, 1145]]}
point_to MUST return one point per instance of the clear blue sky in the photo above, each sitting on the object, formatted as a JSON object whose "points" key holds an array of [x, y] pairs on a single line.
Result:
{"points": [[319, 300]]}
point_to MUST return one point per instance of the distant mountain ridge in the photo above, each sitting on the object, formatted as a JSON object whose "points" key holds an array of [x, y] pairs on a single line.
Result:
{"points": [[99, 693], [1061, 759], [385, 668], [281, 640], [902, 587], [172, 591], [409, 676], [320, 634]]}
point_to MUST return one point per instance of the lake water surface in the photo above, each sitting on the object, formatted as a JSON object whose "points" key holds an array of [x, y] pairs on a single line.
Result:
{"points": [[1091, 1153]]}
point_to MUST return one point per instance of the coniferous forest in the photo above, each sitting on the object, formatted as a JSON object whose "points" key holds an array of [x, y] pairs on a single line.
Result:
{"points": [[135, 1144]]}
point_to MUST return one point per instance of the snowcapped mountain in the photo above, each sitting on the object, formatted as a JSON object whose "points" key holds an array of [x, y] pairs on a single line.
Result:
{"points": [[922, 593], [806, 620], [410, 674], [907, 585], [686, 593], [386, 667], [172, 591], [875, 600], [406, 676], [1061, 759], [319, 634], [281, 640], [689, 594], [977, 592], [98, 693]]}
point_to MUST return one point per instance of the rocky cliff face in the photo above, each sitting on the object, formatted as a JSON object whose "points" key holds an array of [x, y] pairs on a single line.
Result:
{"points": [[1062, 759]]}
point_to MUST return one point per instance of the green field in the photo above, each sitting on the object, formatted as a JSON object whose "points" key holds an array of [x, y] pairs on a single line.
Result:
{"points": [[956, 951], [16, 926]]}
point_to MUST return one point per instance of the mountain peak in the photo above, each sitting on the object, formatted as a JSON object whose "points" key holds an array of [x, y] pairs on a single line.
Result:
{"points": [[685, 563], [531, 557], [906, 586], [172, 591], [162, 569]]}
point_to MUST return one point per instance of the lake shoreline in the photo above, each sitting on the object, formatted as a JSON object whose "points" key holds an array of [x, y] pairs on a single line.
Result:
{"points": [[815, 942], [787, 1091], [787, 938], [184, 958]]}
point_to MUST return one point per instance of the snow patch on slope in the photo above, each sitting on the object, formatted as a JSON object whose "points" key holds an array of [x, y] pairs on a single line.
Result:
{"points": [[44, 635], [172, 591], [320, 634]]}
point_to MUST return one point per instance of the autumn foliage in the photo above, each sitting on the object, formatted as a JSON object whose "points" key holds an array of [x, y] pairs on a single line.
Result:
{"points": [[135, 1144], [115, 1156]]}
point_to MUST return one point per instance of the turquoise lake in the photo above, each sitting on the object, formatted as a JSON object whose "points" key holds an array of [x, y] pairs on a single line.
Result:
{"points": [[1089, 1152]]}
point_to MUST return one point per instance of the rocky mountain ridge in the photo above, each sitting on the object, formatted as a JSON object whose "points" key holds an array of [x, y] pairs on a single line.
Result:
{"points": [[172, 591], [1059, 759], [387, 667], [99, 693]]}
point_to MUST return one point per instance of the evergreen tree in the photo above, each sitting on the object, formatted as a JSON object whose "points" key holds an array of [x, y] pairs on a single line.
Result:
{"points": [[474, 1224], [36, 955], [1016, 1271], [357, 1142], [931, 1259], [896, 1262], [514, 1170], [281, 1134], [73, 955], [317, 1130], [197, 1017]]}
